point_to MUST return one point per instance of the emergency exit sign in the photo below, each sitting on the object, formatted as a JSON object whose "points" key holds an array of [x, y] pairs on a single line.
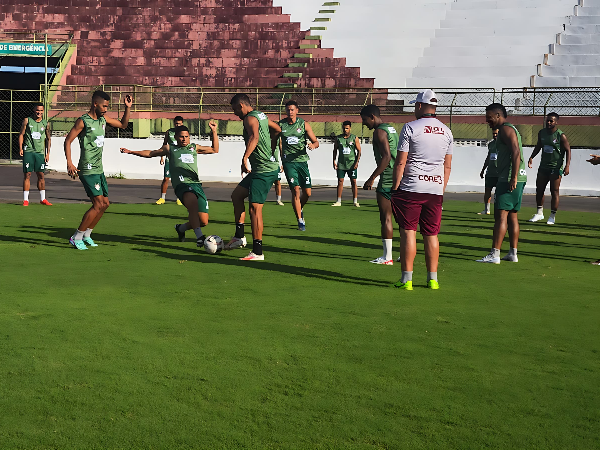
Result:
{"points": [[24, 49]]}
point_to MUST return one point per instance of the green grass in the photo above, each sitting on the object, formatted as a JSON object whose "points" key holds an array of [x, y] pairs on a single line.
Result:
{"points": [[145, 342]]}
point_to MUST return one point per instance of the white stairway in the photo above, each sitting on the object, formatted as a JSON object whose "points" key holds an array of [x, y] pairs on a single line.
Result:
{"points": [[490, 43], [574, 60]]}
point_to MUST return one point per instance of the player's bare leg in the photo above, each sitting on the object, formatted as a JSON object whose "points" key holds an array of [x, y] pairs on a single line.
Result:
{"points": [[26, 184], [487, 196], [408, 249], [89, 221], [432, 257], [500, 227], [163, 190], [196, 219], [354, 191], [238, 197], [256, 219], [340, 189], [513, 236], [555, 192], [278, 192], [41, 185], [540, 188], [387, 230], [296, 203]]}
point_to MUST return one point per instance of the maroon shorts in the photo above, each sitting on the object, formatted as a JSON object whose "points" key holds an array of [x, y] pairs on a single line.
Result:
{"points": [[414, 208]]}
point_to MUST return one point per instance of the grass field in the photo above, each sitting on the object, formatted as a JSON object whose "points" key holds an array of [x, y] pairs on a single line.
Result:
{"points": [[145, 342]]}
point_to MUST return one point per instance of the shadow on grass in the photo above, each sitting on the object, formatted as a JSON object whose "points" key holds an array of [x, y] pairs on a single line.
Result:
{"points": [[332, 241]]}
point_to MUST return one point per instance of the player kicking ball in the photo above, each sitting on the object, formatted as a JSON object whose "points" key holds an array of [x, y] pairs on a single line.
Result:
{"points": [[261, 136], [90, 129], [555, 148], [183, 159], [169, 139]]}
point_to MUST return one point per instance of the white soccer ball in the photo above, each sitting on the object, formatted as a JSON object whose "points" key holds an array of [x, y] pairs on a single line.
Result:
{"points": [[213, 244]]}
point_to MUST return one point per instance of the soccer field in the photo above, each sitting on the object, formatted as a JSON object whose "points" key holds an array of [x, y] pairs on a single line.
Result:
{"points": [[146, 342]]}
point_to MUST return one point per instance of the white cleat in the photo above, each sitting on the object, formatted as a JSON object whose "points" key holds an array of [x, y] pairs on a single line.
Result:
{"points": [[280, 203], [551, 220], [484, 212], [357, 205], [253, 257], [399, 259], [510, 257], [489, 258], [337, 204], [382, 260], [236, 243], [536, 218]]}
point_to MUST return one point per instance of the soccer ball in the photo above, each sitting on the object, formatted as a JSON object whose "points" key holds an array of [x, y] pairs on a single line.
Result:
{"points": [[213, 244]]}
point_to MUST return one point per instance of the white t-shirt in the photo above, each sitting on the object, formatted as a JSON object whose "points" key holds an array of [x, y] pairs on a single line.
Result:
{"points": [[427, 142]]}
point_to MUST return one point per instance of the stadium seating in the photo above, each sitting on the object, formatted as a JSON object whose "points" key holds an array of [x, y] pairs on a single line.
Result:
{"points": [[228, 43]]}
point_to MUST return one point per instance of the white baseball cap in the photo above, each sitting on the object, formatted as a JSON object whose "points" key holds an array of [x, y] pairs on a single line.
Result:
{"points": [[426, 96]]}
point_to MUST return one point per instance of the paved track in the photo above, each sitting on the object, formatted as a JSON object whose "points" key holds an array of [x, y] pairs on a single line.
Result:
{"points": [[61, 189]]}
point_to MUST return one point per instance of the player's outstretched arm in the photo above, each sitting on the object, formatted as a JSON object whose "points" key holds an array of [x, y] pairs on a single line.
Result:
{"points": [[127, 101], [358, 152], [163, 151], [314, 142], [379, 137], [47, 142], [77, 128], [22, 135], [215, 141], [595, 159], [564, 142], [536, 150]]}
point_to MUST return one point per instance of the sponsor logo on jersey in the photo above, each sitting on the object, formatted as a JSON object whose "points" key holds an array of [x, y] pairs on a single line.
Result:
{"points": [[299, 130], [262, 116], [186, 158], [292, 140], [433, 130], [432, 178], [392, 130]]}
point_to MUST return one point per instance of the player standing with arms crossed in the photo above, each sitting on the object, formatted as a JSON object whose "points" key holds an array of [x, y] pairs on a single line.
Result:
{"points": [[90, 129], [294, 134], [35, 153], [491, 175], [261, 136], [183, 158], [348, 146], [421, 175], [511, 182], [170, 140], [385, 146], [554, 146]]}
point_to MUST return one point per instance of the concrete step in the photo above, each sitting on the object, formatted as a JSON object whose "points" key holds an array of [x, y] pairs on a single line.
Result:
{"points": [[577, 39], [581, 29], [565, 82], [587, 11], [469, 82], [576, 60], [476, 72], [590, 3], [508, 24], [473, 32], [568, 71], [583, 20], [541, 15], [583, 49], [508, 4], [480, 60], [449, 44]]}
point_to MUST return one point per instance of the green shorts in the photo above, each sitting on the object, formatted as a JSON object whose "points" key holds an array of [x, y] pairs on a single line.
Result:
{"points": [[94, 184], [33, 162], [297, 174], [197, 190], [167, 172], [491, 182], [259, 185], [341, 174], [385, 191], [549, 173], [507, 200]]}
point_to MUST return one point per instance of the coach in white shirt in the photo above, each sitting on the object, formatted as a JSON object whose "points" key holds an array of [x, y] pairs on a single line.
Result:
{"points": [[421, 174]]}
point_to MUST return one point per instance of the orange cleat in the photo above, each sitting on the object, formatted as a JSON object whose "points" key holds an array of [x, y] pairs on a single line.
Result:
{"points": [[25, 202], [46, 202]]}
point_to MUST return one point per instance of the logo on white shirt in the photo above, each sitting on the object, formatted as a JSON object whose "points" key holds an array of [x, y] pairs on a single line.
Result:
{"points": [[433, 130]]}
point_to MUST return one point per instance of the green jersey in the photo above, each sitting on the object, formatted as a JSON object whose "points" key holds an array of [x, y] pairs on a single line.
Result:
{"points": [[504, 161], [492, 156], [171, 140], [387, 177], [262, 159], [35, 136], [183, 165], [553, 155], [293, 140], [346, 151], [91, 144]]}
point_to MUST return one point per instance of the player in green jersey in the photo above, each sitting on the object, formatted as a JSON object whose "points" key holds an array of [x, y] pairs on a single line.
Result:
{"points": [[385, 147], [295, 133], [556, 152], [491, 175], [169, 139], [511, 182], [183, 158], [34, 147], [260, 136], [90, 129], [348, 146]]}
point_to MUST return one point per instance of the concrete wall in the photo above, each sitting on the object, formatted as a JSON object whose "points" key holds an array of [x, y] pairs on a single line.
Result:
{"points": [[225, 166]]}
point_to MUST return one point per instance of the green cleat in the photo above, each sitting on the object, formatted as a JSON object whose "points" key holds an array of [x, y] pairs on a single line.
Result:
{"points": [[433, 284], [89, 241], [406, 286], [77, 243]]}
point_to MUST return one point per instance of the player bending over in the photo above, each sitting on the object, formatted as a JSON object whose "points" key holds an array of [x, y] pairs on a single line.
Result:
{"points": [[491, 174], [90, 129], [348, 146], [171, 140], [555, 147], [385, 146], [260, 136]]}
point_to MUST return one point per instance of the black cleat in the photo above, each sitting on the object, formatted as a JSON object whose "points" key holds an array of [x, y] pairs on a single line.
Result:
{"points": [[180, 235], [200, 241]]}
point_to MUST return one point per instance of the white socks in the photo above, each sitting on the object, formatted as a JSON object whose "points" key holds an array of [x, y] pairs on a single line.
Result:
{"points": [[26, 196], [87, 233], [495, 252], [487, 208], [387, 249], [540, 210], [198, 232], [163, 195], [355, 199], [42, 195], [513, 252], [431, 276], [339, 200], [78, 235], [279, 198], [406, 276]]}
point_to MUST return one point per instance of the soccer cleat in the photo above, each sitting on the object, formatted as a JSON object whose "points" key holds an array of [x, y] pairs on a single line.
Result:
{"points": [[180, 235], [595, 263], [382, 260], [200, 241], [489, 258], [253, 257], [302, 214], [46, 202], [433, 284], [77, 243], [551, 220], [399, 259], [337, 204], [89, 241], [179, 202], [280, 203], [235, 242], [301, 226], [510, 257], [357, 205], [536, 218], [160, 201], [406, 286], [25, 202], [484, 212]]}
